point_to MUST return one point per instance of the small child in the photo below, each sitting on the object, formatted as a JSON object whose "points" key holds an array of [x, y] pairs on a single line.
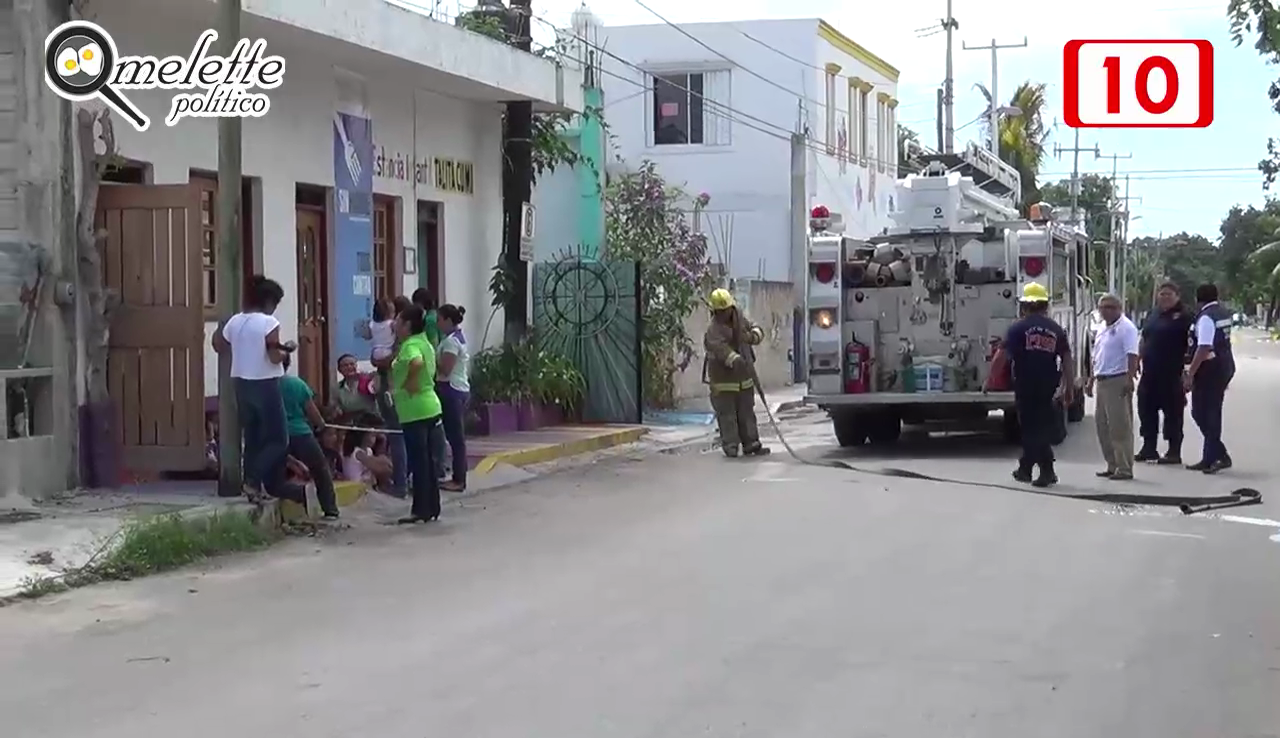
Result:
{"points": [[382, 330]]}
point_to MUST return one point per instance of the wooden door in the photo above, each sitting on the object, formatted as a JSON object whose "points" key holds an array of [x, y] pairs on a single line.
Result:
{"points": [[313, 358], [155, 365]]}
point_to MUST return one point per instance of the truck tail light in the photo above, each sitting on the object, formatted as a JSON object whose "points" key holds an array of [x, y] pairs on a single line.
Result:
{"points": [[1033, 266], [824, 273], [823, 318]]}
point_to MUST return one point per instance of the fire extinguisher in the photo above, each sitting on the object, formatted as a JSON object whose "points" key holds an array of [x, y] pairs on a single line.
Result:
{"points": [[857, 368], [999, 377]]}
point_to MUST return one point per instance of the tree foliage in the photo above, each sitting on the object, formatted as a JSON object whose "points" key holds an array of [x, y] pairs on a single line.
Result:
{"points": [[1260, 19], [649, 221], [1023, 136]]}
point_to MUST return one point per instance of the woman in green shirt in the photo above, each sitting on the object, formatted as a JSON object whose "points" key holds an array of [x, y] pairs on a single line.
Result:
{"points": [[302, 417], [413, 391]]}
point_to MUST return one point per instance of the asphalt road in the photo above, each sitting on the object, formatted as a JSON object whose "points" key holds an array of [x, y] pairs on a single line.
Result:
{"points": [[671, 597]]}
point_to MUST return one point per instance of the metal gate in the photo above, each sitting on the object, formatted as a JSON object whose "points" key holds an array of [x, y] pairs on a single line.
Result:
{"points": [[589, 311]]}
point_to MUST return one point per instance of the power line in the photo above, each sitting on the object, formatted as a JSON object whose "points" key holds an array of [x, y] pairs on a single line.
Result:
{"points": [[1188, 170], [719, 108]]}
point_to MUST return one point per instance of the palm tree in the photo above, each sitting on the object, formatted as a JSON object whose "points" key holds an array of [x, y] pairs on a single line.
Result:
{"points": [[1023, 135]]}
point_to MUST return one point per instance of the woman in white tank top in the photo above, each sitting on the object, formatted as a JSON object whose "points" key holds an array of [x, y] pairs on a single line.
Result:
{"points": [[252, 336]]}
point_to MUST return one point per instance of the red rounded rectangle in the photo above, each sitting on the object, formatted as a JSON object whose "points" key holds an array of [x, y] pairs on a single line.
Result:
{"points": [[1108, 83]]}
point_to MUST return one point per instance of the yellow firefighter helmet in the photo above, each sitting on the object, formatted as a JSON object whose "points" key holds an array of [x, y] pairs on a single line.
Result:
{"points": [[1035, 292], [720, 299]]}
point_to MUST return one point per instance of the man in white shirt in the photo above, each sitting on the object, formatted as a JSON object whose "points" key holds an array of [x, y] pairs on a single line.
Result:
{"points": [[1115, 367]]}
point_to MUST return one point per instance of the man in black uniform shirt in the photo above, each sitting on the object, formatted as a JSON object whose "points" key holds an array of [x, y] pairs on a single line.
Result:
{"points": [[1040, 354], [1211, 367], [1164, 345]]}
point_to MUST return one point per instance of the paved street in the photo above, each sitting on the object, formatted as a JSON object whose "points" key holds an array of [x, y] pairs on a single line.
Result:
{"points": [[679, 596]]}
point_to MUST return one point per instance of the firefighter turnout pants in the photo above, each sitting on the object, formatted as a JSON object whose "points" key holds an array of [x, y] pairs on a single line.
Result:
{"points": [[735, 410]]}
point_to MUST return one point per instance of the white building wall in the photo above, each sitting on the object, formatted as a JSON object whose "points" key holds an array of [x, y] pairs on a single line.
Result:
{"points": [[860, 188], [748, 177], [776, 86], [293, 145]]}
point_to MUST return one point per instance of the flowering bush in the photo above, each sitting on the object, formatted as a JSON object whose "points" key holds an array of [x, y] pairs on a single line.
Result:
{"points": [[649, 221]]}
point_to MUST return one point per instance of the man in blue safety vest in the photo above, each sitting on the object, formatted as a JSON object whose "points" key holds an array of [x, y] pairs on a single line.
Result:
{"points": [[1210, 368]]}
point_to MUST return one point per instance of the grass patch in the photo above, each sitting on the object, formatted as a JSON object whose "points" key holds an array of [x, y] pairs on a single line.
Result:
{"points": [[155, 544]]}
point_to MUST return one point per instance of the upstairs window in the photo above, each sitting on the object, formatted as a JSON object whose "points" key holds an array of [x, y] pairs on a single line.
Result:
{"points": [[677, 109], [689, 109], [864, 124]]}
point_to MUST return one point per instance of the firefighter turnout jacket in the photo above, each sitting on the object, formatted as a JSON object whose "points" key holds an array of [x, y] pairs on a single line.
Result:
{"points": [[730, 355]]}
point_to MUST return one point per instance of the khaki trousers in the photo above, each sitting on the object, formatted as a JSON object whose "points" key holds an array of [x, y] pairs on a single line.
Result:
{"points": [[1114, 416]]}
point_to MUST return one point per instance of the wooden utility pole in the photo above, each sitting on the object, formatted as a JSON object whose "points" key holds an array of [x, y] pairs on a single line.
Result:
{"points": [[949, 25], [994, 113], [230, 477], [517, 181]]}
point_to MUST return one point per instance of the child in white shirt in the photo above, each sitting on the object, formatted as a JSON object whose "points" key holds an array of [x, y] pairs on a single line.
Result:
{"points": [[382, 330]]}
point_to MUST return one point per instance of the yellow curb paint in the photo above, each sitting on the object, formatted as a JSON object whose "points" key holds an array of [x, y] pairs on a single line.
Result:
{"points": [[346, 493], [553, 451]]}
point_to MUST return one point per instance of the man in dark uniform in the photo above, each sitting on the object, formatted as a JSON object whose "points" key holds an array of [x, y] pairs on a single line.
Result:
{"points": [[1040, 354], [1164, 346], [1209, 373]]}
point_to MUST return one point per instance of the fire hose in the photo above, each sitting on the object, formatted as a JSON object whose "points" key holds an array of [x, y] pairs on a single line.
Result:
{"points": [[1187, 504]]}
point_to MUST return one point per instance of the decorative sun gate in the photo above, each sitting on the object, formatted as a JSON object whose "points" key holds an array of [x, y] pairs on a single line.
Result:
{"points": [[589, 311]]}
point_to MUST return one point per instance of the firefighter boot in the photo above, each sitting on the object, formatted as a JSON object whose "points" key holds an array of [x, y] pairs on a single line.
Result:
{"points": [[1047, 476], [759, 449], [1023, 472], [730, 451], [1148, 452]]}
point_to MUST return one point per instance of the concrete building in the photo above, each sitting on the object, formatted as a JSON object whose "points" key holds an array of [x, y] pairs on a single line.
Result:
{"points": [[418, 101], [717, 113]]}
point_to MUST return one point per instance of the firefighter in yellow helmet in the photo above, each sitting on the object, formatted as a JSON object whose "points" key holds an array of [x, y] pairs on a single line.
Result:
{"points": [[728, 368], [1040, 352]]}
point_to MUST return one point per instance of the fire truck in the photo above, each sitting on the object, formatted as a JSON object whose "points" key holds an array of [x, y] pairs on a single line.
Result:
{"points": [[903, 327]]}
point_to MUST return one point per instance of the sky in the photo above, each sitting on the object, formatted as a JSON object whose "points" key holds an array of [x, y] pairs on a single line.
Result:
{"points": [[1171, 201]]}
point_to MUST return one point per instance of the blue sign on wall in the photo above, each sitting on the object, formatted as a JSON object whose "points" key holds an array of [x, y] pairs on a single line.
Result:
{"points": [[352, 232]]}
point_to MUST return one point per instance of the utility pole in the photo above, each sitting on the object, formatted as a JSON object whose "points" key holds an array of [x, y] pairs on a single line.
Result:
{"points": [[227, 224], [995, 87], [799, 249], [517, 181], [941, 139], [948, 86], [1117, 239], [1075, 150], [1124, 242]]}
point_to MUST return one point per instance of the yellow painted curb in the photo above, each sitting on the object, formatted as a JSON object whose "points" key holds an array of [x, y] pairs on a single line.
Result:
{"points": [[347, 494], [553, 451]]}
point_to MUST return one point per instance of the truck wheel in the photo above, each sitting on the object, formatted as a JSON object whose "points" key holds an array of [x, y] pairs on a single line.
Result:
{"points": [[1010, 428], [886, 429], [849, 431], [1075, 411]]}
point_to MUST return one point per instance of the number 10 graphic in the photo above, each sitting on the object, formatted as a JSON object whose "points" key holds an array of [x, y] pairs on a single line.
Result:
{"points": [[1138, 84]]}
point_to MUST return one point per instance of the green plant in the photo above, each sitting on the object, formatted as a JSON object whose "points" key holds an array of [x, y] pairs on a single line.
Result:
{"points": [[485, 24], [647, 221], [555, 380], [155, 544]]}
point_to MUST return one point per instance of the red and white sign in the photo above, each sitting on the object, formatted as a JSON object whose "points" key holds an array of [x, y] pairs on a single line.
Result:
{"points": [[1138, 84]]}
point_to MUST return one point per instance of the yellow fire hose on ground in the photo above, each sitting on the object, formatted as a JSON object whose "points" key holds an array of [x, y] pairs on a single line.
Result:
{"points": [[1187, 504]]}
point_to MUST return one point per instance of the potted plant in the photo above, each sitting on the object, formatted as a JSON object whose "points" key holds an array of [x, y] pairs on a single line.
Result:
{"points": [[558, 387], [493, 407]]}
